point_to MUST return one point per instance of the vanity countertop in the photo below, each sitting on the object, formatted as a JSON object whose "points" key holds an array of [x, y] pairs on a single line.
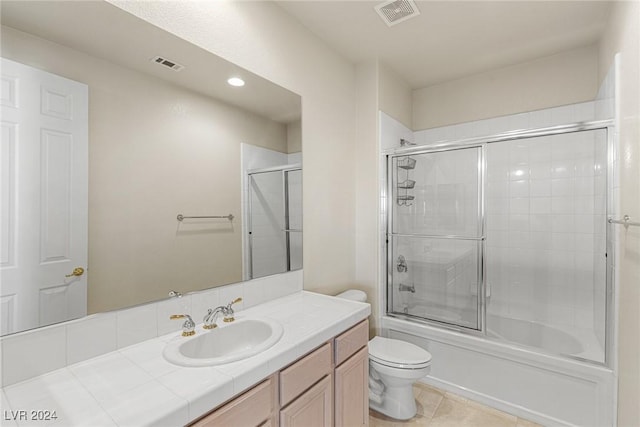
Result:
{"points": [[136, 386]]}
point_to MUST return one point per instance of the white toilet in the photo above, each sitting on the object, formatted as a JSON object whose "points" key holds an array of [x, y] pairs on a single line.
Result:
{"points": [[394, 366]]}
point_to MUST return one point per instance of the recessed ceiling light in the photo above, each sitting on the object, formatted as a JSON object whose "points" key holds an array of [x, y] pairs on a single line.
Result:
{"points": [[236, 81]]}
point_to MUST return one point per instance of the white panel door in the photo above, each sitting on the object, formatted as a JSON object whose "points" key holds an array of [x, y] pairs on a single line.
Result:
{"points": [[44, 155]]}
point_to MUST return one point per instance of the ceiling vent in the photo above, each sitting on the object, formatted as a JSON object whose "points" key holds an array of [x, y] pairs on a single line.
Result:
{"points": [[395, 12], [167, 63]]}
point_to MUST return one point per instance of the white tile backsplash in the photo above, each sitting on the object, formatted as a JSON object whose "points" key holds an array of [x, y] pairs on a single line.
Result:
{"points": [[91, 337], [137, 324], [36, 352], [26, 355]]}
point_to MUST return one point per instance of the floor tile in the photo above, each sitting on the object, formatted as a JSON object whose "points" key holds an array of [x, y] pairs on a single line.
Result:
{"points": [[428, 400], [437, 408], [525, 423]]}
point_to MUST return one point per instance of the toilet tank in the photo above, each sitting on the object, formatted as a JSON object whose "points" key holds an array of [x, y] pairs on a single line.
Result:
{"points": [[353, 295]]}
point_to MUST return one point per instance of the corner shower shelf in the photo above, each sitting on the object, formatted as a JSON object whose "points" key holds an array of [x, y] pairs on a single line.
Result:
{"points": [[407, 184], [403, 198], [407, 163]]}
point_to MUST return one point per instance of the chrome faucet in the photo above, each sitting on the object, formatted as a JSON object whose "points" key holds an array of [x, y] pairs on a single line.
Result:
{"points": [[407, 288], [401, 264], [188, 327], [210, 318], [226, 310]]}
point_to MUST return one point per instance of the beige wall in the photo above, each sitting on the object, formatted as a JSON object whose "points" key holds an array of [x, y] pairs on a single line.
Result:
{"points": [[561, 79], [366, 184], [155, 150], [261, 37], [294, 137], [623, 35], [395, 97]]}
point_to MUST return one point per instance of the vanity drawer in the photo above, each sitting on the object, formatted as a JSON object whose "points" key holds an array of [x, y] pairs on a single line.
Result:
{"points": [[351, 341], [253, 408], [304, 373]]}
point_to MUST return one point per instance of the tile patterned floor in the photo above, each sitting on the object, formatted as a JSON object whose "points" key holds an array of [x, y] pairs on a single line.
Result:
{"points": [[437, 408]]}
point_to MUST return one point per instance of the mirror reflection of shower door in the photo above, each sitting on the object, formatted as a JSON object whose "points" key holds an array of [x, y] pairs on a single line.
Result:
{"points": [[293, 205], [275, 221], [435, 240]]}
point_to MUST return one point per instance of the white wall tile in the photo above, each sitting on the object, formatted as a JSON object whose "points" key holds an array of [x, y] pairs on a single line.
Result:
{"points": [[561, 115], [26, 355], [231, 292], [254, 291], [202, 302], [91, 337], [137, 324], [585, 111], [540, 188]]}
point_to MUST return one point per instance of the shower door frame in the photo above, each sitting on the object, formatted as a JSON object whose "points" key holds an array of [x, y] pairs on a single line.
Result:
{"points": [[611, 302], [481, 318], [285, 200]]}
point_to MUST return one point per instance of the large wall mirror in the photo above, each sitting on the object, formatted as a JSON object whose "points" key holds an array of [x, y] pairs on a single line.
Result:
{"points": [[131, 168]]}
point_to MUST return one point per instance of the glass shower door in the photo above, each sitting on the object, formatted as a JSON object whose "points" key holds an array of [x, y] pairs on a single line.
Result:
{"points": [[268, 242], [435, 236], [275, 221]]}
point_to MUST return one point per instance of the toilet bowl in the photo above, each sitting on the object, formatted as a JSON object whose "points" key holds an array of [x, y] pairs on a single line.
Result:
{"points": [[394, 366]]}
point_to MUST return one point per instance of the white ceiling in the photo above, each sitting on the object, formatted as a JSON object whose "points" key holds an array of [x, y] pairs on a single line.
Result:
{"points": [[105, 31], [453, 39]]}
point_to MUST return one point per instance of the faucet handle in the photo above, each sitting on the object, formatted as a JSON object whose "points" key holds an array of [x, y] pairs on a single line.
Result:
{"points": [[188, 327], [228, 311]]}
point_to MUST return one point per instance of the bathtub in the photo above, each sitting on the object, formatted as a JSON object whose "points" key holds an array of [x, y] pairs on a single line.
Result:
{"points": [[519, 379], [534, 334]]}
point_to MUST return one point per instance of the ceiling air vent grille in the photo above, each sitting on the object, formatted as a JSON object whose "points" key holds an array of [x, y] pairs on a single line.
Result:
{"points": [[167, 63], [395, 12]]}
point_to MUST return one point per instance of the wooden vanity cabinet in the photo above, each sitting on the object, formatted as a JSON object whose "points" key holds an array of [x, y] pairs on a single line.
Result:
{"points": [[313, 408], [257, 406], [351, 376], [327, 387]]}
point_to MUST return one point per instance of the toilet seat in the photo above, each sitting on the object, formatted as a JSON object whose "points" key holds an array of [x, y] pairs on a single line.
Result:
{"points": [[398, 354]]}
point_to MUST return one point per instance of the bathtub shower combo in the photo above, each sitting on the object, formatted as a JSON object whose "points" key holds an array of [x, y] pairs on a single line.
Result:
{"points": [[497, 251]]}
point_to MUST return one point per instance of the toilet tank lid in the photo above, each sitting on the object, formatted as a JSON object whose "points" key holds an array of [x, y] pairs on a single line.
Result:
{"points": [[353, 295]]}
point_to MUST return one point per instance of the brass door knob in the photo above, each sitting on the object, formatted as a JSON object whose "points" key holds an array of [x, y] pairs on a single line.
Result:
{"points": [[78, 271]]}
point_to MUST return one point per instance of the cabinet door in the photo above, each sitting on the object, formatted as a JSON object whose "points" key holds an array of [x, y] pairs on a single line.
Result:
{"points": [[352, 391], [314, 408]]}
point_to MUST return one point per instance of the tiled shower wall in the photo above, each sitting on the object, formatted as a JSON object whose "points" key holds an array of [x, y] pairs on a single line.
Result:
{"points": [[546, 217]]}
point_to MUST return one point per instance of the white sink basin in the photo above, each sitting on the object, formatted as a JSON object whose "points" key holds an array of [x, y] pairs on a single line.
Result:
{"points": [[227, 343]]}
